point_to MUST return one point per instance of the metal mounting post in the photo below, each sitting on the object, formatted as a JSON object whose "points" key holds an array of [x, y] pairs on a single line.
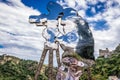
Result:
{"points": [[50, 64]]}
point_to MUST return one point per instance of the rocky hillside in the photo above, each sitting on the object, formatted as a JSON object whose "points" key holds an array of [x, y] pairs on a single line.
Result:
{"points": [[13, 68], [5, 58]]}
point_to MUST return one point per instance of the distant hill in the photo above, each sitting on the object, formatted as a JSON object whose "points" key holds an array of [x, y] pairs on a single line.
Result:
{"points": [[5, 58], [13, 68]]}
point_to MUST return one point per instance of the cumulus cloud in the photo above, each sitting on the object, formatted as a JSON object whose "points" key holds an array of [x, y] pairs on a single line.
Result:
{"points": [[108, 38], [76, 4], [17, 36], [105, 38]]}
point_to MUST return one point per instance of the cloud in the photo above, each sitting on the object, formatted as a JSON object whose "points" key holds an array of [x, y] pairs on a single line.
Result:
{"points": [[17, 36], [93, 10], [76, 4], [93, 2], [104, 38], [107, 38]]}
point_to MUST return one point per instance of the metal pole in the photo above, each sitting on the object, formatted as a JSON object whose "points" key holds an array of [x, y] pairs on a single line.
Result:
{"points": [[40, 63], [58, 57], [50, 69]]}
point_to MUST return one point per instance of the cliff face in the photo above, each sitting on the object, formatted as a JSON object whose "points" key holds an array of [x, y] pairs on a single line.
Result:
{"points": [[5, 58]]}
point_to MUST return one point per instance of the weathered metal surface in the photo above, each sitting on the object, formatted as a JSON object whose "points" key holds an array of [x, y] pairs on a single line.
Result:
{"points": [[50, 66], [71, 29], [40, 63]]}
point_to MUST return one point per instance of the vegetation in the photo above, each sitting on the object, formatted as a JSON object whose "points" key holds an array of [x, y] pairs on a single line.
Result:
{"points": [[74, 55], [12, 68], [24, 70], [105, 67]]}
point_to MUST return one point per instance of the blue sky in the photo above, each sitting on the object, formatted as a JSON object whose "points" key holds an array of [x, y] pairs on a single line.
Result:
{"points": [[20, 38], [40, 5]]}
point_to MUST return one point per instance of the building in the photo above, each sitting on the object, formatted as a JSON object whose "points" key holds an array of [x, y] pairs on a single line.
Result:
{"points": [[105, 53]]}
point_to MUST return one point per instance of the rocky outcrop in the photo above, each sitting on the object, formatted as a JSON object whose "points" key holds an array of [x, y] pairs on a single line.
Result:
{"points": [[5, 58]]}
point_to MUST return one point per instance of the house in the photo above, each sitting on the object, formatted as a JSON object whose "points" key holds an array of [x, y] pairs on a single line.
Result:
{"points": [[105, 53]]}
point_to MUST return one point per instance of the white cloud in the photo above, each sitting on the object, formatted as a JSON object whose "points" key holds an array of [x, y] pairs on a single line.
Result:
{"points": [[76, 4], [81, 13], [103, 38], [15, 28], [70, 3], [93, 2], [107, 38], [93, 10], [96, 17], [17, 35]]}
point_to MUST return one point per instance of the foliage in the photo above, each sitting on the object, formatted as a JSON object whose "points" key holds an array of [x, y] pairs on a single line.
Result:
{"points": [[105, 67], [24, 70]]}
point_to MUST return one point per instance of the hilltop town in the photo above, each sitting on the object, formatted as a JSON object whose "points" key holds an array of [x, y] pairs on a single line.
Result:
{"points": [[107, 53]]}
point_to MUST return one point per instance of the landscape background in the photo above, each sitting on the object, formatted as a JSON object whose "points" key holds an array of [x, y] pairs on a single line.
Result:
{"points": [[13, 68], [21, 43], [21, 39]]}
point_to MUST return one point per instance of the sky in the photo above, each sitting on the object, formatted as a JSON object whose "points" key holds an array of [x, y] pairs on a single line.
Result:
{"points": [[20, 38]]}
